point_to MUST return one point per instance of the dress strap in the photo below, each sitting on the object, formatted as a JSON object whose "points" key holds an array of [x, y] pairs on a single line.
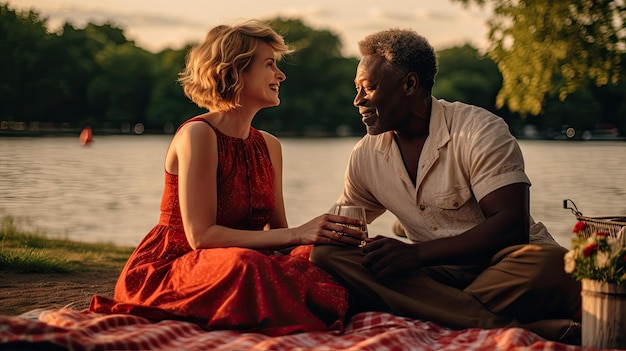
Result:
{"points": [[253, 131], [195, 119]]}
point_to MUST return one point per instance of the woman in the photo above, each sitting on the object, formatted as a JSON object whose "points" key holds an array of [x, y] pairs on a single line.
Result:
{"points": [[211, 257]]}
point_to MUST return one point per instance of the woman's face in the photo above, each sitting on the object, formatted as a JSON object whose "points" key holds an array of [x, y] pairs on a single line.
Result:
{"points": [[262, 79]]}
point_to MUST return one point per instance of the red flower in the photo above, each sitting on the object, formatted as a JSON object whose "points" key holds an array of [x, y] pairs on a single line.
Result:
{"points": [[602, 234], [591, 248], [579, 226]]}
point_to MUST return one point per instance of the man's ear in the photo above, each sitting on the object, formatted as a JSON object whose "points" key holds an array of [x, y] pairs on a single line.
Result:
{"points": [[412, 82]]}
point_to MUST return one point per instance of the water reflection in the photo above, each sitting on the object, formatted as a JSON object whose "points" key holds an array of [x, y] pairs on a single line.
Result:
{"points": [[109, 191]]}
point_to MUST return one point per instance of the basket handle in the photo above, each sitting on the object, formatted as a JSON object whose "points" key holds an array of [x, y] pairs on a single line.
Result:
{"points": [[574, 209]]}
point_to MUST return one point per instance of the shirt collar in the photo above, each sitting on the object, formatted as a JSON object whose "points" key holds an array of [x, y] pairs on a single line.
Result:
{"points": [[439, 130], [439, 124]]}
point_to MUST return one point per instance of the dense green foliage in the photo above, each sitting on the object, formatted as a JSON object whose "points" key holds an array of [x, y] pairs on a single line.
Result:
{"points": [[554, 48], [95, 76]]}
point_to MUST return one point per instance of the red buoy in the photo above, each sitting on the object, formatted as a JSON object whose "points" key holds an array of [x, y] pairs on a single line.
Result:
{"points": [[85, 136]]}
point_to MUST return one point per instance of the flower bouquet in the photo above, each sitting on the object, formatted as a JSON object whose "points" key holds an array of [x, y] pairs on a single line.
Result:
{"points": [[598, 260], [600, 256]]}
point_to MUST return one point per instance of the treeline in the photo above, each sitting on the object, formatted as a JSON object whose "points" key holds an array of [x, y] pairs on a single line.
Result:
{"points": [[74, 77]]}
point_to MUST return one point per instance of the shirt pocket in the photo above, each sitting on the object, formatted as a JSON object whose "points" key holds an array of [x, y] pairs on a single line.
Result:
{"points": [[457, 210], [452, 200]]}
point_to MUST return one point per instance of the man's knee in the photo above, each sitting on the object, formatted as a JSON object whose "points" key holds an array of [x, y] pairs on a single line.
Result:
{"points": [[549, 263], [321, 255], [551, 258], [336, 258]]}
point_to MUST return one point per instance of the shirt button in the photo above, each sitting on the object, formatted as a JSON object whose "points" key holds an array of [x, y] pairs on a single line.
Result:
{"points": [[456, 204], [435, 228], [422, 207]]}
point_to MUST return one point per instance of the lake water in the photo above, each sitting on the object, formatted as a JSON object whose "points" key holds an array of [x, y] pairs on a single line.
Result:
{"points": [[110, 191]]}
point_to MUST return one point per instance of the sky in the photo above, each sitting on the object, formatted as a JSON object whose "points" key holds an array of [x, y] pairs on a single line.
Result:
{"points": [[159, 24]]}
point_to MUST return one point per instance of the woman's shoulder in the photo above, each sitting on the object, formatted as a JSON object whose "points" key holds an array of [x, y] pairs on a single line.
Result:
{"points": [[190, 122], [196, 129], [272, 142]]}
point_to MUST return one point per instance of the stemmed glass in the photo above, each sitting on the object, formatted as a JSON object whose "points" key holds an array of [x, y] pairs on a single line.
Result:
{"points": [[357, 212]]}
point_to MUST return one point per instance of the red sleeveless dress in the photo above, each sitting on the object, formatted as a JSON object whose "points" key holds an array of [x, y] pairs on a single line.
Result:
{"points": [[227, 288]]}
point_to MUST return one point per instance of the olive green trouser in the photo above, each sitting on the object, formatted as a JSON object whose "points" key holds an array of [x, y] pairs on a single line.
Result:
{"points": [[523, 286]]}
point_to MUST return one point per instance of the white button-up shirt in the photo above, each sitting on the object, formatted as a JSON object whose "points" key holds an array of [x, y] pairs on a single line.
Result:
{"points": [[468, 154]]}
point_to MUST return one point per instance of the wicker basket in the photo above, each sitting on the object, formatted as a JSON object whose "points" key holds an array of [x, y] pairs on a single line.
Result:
{"points": [[611, 225]]}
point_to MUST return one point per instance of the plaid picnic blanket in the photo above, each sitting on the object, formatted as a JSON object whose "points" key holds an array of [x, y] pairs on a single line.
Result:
{"points": [[85, 330]]}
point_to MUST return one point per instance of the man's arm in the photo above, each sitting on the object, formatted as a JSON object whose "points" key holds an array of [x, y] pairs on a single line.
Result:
{"points": [[506, 212]]}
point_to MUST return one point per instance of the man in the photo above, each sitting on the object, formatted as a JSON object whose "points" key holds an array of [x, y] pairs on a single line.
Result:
{"points": [[454, 177]]}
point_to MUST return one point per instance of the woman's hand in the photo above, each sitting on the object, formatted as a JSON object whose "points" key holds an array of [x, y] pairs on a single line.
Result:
{"points": [[330, 229]]}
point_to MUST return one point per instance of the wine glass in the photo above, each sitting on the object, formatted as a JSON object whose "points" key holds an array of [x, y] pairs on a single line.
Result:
{"points": [[357, 212]]}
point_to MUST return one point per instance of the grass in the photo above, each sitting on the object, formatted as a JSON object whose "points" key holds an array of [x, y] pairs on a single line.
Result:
{"points": [[31, 251]]}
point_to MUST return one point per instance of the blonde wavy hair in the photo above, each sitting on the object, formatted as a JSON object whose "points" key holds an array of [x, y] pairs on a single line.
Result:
{"points": [[212, 77]]}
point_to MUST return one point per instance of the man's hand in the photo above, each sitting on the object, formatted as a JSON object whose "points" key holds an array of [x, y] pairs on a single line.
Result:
{"points": [[386, 257]]}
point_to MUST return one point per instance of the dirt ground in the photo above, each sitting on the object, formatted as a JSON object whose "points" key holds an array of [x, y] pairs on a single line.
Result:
{"points": [[20, 293]]}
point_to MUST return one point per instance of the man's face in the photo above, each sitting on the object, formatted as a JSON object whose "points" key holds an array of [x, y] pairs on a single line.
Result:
{"points": [[380, 96]]}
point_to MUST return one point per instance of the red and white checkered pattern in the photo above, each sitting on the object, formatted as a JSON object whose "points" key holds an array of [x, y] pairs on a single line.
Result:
{"points": [[84, 330]]}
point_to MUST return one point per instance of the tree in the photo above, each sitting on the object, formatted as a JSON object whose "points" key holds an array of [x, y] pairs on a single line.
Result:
{"points": [[169, 106], [319, 89], [553, 47], [24, 43], [466, 75], [122, 89]]}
